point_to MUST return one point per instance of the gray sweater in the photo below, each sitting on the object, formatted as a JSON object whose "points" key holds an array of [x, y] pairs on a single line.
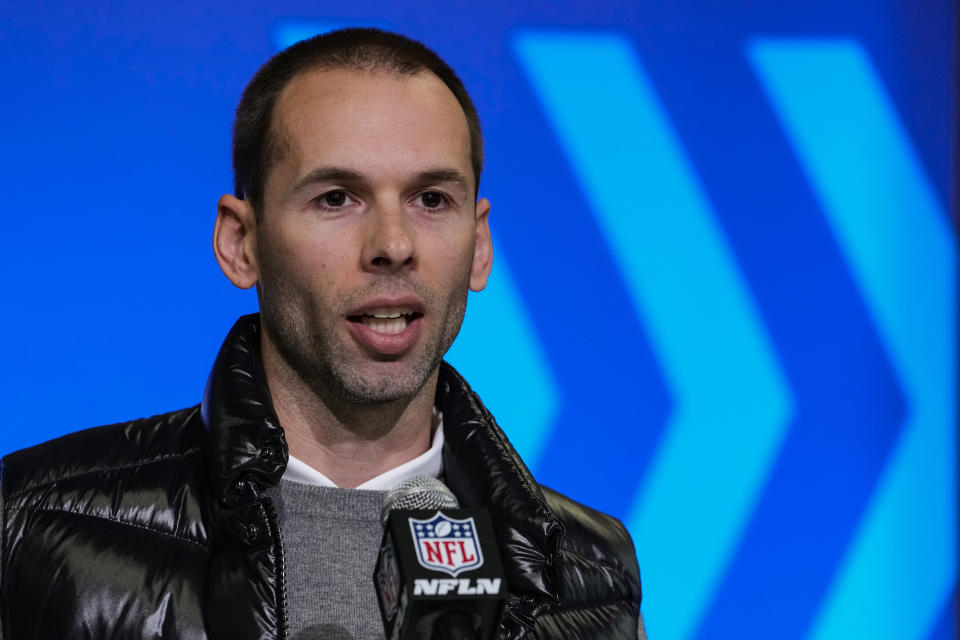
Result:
{"points": [[330, 540]]}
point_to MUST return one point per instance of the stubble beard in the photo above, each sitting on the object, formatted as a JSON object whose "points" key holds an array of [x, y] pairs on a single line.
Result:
{"points": [[305, 336]]}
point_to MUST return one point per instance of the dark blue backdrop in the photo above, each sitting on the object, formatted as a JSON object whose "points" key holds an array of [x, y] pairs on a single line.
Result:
{"points": [[724, 297]]}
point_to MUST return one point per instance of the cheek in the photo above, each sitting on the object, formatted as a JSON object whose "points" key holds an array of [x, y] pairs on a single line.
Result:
{"points": [[306, 253], [457, 263], [457, 247], [450, 253], [298, 268]]}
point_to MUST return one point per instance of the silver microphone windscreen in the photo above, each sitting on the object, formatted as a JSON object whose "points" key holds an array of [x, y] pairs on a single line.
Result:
{"points": [[418, 492]]}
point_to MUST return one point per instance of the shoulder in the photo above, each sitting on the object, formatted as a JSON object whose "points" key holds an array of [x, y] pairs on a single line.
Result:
{"points": [[598, 569], [593, 535], [144, 476], [104, 450], [119, 509]]}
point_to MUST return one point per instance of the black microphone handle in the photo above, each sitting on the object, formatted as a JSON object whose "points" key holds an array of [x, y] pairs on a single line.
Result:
{"points": [[454, 625]]}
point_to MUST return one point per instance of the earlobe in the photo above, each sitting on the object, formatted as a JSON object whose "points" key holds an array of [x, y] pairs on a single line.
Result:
{"points": [[482, 249], [235, 241]]}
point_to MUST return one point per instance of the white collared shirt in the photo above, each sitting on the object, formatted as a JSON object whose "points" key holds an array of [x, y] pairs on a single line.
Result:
{"points": [[428, 463]]}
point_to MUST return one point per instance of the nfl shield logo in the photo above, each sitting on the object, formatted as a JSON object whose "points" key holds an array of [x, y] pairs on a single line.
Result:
{"points": [[447, 544]]}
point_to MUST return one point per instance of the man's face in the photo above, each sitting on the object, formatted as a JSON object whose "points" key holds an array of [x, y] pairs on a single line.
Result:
{"points": [[370, 236]]}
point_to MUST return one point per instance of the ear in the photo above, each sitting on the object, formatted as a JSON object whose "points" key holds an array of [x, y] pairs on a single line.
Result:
{"points": [[235, 241], [482, 248]]}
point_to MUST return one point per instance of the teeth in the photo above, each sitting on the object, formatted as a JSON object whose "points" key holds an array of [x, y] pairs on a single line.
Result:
{"points": [[389, 325], [388, 312]]}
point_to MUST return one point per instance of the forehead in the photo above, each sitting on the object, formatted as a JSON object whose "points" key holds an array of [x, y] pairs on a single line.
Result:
{"points": [[370, 120]]}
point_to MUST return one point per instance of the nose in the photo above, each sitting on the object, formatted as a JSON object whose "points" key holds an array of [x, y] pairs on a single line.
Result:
{"points": [[389, 245]]}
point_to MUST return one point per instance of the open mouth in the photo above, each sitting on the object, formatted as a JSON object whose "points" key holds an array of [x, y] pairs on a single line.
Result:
{"points": [[387, 320]]}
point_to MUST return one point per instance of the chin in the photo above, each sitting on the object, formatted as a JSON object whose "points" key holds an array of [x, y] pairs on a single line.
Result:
{"points": [[374, 387]]}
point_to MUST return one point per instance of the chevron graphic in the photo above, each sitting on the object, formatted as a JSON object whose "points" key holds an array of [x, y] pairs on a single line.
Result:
{"points": [[899, 570], [732, 403]]}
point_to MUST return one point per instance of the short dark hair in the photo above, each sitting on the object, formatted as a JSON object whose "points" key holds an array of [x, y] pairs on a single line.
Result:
{"points": [[255, 144]]}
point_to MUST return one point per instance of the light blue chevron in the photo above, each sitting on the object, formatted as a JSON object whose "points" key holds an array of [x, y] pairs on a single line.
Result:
{"points": [[899, 570], [731, 401], [290, 31], [499, 353]]}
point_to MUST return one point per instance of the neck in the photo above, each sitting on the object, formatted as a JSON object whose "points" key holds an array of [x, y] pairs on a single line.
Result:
{"points": [[348, 442]]}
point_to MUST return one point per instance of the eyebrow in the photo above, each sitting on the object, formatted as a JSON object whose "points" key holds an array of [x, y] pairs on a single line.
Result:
{"points": [[340, 174], [326, 174], [444, 175]]}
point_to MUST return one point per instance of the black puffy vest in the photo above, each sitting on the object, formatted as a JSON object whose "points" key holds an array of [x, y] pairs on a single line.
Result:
{"points": [[157, 528]]}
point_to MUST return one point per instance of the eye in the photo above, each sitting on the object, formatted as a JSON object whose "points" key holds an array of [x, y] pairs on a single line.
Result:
{"points": [[433, 200], [333, 199]]}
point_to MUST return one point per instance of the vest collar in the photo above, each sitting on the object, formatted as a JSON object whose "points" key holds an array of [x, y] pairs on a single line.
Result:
{"points": [[246, 450], [484, 470]]}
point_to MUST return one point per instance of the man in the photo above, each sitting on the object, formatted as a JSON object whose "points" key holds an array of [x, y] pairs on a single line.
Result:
{"points": [[357, 157]]}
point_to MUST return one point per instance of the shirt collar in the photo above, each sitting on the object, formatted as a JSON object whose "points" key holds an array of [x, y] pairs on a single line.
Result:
{"points": [[428, 463]]}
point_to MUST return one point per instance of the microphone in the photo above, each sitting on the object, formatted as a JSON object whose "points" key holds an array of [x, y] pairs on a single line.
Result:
{"points": [[438, 574]]}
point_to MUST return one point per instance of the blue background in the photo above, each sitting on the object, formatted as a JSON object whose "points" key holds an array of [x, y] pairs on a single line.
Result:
{"points": [[724, 296]]}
